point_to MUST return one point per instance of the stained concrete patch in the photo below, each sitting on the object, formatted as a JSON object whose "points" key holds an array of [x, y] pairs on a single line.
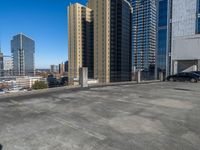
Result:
{"points": [[172, 103], [193, 138], [136, 125]]}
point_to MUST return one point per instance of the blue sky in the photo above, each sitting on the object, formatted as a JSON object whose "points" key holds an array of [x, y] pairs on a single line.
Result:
{"points": [[45, 21]]}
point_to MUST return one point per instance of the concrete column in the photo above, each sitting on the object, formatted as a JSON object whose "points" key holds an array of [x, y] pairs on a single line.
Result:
{"points": [[161, 76], [198, 65], [83, 77], [175, 67], [138, 76]]}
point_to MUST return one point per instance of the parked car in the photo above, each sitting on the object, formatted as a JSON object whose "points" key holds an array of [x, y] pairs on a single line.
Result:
{"points": [[64, 81], [184, 76], [197, 72], [52, 82]]}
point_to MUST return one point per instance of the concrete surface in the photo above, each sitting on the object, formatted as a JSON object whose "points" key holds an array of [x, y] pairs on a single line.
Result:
{"points": [[159, 116]]}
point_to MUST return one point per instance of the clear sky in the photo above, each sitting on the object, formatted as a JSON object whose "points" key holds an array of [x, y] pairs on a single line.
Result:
{"points": [[45, 21]]}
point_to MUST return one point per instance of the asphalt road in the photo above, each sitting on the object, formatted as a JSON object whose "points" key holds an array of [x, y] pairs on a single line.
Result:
{"points": [[159, 116]]}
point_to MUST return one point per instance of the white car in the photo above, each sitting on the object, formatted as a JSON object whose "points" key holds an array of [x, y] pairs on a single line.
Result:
{"points": [[2, 91]]}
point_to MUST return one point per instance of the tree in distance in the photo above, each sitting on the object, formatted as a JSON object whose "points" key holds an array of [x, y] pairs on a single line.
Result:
{"points": [[39, 85]]}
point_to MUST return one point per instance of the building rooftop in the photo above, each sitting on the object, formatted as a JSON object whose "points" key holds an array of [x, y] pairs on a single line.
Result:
{"points": [[158, 116]]}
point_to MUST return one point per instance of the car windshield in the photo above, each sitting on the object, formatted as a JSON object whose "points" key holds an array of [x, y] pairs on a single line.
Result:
{"points": [[196, 74], [181, 74]]}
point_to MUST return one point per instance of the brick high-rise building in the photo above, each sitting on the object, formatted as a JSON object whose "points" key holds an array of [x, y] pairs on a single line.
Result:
{"points": [[101, 11], [80, 46]]}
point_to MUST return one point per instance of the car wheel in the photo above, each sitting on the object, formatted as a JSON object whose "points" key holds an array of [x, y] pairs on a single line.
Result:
{"points": [[171, 79], [193, 80]]}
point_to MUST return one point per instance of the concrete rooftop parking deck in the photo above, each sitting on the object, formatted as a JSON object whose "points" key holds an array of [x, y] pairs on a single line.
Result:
{"points": [[158, 116]]}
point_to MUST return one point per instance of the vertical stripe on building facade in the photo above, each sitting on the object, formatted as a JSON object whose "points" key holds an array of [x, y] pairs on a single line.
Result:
{"points": [[120, 40], [163, 47]]}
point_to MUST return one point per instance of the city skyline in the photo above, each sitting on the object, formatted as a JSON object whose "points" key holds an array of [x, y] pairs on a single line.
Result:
{"points": [[46, 23]]}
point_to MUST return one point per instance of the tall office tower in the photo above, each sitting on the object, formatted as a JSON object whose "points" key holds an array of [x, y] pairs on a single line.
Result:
{"points": [[163, 46], [66, 66], [54, 68], [185, 36], [1, 64], [61, 68], [144, 34], [80, 46], [23, 49], [120, 40], [101, 9]]}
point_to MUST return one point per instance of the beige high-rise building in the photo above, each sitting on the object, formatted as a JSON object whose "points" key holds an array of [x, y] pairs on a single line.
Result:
{"points": [[61, 68], [101, 10], [80, 35]]}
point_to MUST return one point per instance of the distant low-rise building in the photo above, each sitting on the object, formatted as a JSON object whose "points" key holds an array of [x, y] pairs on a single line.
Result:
{"points": [[27, 82], [8, 66]]}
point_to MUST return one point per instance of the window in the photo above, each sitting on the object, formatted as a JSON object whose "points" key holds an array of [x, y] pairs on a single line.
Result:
{"points": [[199, 6], [198, 25], [163, 13], [161, 49]]}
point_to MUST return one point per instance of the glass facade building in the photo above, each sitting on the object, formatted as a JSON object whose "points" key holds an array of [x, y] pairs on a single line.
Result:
{"points": [[163, 46], [144, 35], [23, 50], [120, 40]]}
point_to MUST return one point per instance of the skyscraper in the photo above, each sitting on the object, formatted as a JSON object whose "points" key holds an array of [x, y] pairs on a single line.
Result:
{"points": [[80, 46], [144, 34], [163, 47], [23, 49], [61, 68], [54, 69], [112, 40], [66, 66], [120, 40], [101, 11]]}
